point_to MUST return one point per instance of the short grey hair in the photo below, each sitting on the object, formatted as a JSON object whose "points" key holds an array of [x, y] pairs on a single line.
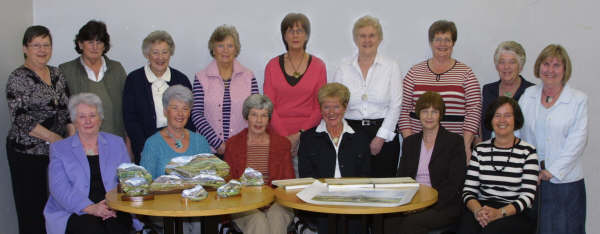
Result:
{"points": [[220, 34], [177, 92], [89, 99], [511, 47], [158, 36], [257, 101]]}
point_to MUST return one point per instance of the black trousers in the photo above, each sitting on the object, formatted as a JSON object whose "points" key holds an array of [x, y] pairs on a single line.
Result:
{"points": [[514, 224], [418, 223], [385, 163], [89, 224], [29, 177]]}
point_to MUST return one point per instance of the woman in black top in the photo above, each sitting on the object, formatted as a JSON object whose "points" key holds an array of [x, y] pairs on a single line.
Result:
{"points": [[37, 99]]}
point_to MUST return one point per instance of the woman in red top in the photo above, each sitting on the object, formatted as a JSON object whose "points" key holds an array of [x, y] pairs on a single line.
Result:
{"points": [[267, 152], [292, 81]]}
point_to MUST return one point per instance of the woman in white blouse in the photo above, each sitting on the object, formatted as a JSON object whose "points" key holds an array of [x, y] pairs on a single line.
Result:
{"points": [[375, 85], [144, 88], [556, 122]]}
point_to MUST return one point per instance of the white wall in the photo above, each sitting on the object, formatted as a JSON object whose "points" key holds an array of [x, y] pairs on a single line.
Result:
{"points": [[15, 15], [481, 26]]}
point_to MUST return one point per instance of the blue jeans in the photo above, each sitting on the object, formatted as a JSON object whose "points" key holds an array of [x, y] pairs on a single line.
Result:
{"points": [[563, 208]]}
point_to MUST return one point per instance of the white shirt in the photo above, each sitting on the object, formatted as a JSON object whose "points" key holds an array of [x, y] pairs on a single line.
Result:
{"points": [[565, 135], [346, 129], [376, 97], [91, 74], [159, 86]]}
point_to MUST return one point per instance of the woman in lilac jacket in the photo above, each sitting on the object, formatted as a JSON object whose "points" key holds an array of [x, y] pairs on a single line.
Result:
{"points": [[82, 169]]}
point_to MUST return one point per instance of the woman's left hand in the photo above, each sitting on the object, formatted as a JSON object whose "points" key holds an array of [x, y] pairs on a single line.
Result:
{"points": [[492, 214], [376, 145], [295, 140]]}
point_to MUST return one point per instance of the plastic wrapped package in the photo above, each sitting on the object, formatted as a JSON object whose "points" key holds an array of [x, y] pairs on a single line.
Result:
{"points": [[207, 180], [195, 194], [252, 177], [135, 186], [167, 183], [134, 180], [190, 166], [230, 189]]}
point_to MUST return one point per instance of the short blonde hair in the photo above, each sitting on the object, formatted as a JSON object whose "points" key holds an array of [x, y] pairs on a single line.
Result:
{"points": [[334, 90], [554, 51], [158, 36], [220, 34], [511, 46], [365, 21]]}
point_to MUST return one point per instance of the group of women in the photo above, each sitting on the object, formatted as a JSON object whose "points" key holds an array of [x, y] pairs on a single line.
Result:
{"points": [[301, 126]]}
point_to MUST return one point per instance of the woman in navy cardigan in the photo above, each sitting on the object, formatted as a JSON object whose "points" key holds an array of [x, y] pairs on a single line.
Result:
{"points": [[144, 89]]}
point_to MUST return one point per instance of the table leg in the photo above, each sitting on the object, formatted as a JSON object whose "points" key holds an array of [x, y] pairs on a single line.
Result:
{"points": [[169, 225], [210, 224], [343, 224], [378, 224], [332, 223]]}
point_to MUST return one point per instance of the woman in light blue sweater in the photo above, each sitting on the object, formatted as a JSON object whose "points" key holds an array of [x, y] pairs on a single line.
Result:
{"points": [[173, 140]]}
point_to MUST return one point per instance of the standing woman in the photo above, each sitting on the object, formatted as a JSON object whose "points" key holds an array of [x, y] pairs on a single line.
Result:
{"points": [[37, 98], [375, 83], [220, 90], [452, 79], [509, 59], [93, 72], [144, 88], [292, 82], [556, 118]]}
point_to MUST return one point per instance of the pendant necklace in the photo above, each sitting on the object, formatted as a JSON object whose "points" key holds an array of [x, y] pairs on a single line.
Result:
{"points": [[178, 141], [295, 67], [509, 155]]}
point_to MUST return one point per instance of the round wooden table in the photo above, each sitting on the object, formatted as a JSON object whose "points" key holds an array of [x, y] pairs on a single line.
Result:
{"points": [[173, 206], [425, 197]]}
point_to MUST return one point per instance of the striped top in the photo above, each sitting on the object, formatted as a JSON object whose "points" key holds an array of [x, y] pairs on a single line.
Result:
{"points": [[458, 87], [202, 124], [258, 159], [504, 175]]}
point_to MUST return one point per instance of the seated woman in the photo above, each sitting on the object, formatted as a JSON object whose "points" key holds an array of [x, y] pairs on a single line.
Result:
{"points": [[434, 157], [333, 149], [82, 169], [502, 176], [173, 140], [267, 152]]}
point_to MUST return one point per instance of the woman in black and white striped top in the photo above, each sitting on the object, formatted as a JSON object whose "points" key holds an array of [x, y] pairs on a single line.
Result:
{"points": [[502, 176]]}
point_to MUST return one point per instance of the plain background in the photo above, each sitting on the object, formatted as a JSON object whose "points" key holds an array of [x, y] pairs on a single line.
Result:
{"points": [[482, 25]]}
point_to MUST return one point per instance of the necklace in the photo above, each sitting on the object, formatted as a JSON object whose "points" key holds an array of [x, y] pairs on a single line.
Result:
{"points": [[178, 141], [89, 152], [296, 66], [509, 155]]}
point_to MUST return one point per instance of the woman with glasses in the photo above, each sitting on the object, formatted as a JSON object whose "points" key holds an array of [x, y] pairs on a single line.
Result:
{"points": [[452, 79], [292, 82]]}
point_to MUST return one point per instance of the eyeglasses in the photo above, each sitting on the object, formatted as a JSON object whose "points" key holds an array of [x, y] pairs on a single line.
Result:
{"points": [[40, 46], [442, 40], [297, 31]]}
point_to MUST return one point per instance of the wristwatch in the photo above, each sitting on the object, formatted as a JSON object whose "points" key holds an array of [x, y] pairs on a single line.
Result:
{"points": [[503, 212]]}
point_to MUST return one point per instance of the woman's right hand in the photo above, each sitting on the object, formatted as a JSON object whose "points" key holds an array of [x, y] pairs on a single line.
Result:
{"points": [[221, 149], [101, 210]]}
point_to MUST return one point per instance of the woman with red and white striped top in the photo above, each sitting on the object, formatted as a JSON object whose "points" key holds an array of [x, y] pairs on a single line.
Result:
{"points": [[453, 80], [264, 150]]}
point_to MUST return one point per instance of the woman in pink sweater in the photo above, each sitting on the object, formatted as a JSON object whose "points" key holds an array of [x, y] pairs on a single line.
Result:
{"points": [[292, 81]]}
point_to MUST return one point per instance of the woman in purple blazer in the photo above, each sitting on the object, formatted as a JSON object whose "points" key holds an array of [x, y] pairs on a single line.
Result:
{"points": [[82, 169]]}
